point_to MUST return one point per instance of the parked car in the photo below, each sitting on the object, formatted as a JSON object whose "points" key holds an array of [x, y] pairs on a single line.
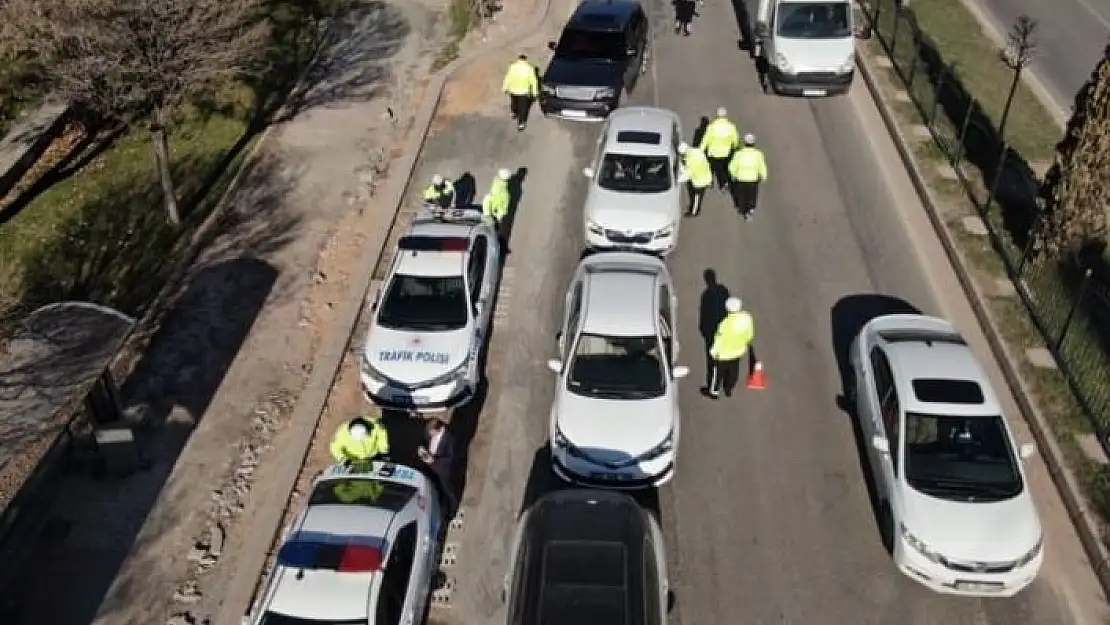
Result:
{"points": [[600, 55], [952, 491], [430, 323], [365, 549], [615, 419], [634, 201], [587, 556]]}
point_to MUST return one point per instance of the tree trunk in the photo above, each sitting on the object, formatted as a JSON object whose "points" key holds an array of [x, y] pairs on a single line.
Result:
{"points": [[161, 146]]}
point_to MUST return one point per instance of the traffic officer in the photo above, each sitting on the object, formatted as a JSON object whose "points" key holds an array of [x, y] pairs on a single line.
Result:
{"points": [[359, 441], [440, 193], [495, 204], [523, 86], [747, 168], [730, 343], [700, 175], [720, 140]]}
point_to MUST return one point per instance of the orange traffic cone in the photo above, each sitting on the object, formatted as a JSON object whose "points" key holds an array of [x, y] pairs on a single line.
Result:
{"points": [[756, 379]]}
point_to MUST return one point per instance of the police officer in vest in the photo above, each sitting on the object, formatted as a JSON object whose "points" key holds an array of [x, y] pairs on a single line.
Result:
{"points": [[359, 442], [700, 175], [730, 344], [495, 205], [440, 193], [748, 169], [720, 140], [523, 86]]}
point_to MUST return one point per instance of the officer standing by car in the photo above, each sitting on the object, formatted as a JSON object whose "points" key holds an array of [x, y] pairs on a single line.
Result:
{"points": [[700, 175], [730, 344], [359, 442], [720, 140], [522, 84], [748, 168], [495, 205], [441, 192]]}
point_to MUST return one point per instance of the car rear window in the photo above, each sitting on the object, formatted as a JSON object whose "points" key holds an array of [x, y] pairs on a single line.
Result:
{"points": [[639, 136], [362, 492], [585, 583], [947, 391], [273, 618]]}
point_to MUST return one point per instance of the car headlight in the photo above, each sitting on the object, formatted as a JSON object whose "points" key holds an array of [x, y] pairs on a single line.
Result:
{"points": [[595, 228], [548, 89], [849, 64], [664, 232], [454, 375], [1031, 554], [783, 64], [918, 545], [661, 448], [605, 92], [369, 371]]}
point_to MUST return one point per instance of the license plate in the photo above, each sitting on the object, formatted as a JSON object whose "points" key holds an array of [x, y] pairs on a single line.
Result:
{"points": [[610, 477], [978, 586], [813, 92], [573, 113]]}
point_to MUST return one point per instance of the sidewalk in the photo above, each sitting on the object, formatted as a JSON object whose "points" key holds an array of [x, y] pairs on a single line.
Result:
{"points": [[228, 363]]}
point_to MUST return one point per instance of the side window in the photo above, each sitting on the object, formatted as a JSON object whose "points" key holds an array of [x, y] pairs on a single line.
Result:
{"points": [[652, 586], [477, 268], [395, 583], [665, 318], [888, 401]]}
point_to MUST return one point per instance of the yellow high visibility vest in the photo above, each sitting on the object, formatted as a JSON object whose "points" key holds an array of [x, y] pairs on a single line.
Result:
{"points": [[734, 335]]}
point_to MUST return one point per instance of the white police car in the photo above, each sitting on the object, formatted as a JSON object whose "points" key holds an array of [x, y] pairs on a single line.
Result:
{"points": [[432, 315], [364, 551]]}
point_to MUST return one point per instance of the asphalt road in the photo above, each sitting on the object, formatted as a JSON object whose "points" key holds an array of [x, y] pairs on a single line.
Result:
{"points": [[1071, 36], [768, 519]]}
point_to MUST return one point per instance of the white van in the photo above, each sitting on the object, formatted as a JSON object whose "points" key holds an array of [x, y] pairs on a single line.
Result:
{"points": [[808, 45]]}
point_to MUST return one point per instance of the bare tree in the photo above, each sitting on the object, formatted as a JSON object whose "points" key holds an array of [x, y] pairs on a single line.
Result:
{"points": [[1021, 46], [135, 59]]}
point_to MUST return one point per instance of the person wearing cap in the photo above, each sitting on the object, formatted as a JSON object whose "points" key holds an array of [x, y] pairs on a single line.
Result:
{"points": [[747, 169], [495, 204], [700, 175], [720, 140], [440, 193], [359, 441], [522, 84], [731, 342]]}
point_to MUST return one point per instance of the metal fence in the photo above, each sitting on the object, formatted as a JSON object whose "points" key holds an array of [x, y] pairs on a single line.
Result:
{"points": [[1070, 305]]}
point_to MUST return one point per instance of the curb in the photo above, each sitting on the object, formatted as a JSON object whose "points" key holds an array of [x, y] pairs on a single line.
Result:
{"points": [[1066, 482], [309, 409]]}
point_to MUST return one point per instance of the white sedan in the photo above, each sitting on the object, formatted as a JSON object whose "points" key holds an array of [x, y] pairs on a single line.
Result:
{"points": [[615, 419], [429, 326], [953, 497]]}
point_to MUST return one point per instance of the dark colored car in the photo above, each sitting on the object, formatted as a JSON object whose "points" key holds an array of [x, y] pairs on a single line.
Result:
{"points": [[600, 55], [587, 556]]}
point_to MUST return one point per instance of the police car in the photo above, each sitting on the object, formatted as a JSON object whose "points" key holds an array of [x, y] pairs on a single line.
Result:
{"points": [[365, 550], [432, 315]]}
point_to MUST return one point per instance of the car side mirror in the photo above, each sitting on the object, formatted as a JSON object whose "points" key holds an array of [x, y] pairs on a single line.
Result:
{"points": [[880, 444], [505, 589], [1027, 451], [680, 372], [555, 365], [632, 52], [588, 172], [551, 45]]}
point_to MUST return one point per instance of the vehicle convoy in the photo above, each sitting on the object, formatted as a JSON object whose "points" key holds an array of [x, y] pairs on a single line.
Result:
{"points": [[809, 45], [429, 325], [954, 501], [365, 549], [634, 201], [600, 55], [587, 556], [615, 418]]}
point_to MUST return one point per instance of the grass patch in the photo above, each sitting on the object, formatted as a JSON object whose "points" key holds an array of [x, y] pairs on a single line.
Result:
{"points": [[464, 18], [19, 91]]}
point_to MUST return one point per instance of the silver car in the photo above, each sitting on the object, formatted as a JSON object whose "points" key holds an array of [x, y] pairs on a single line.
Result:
{"points": [[634, 200]]}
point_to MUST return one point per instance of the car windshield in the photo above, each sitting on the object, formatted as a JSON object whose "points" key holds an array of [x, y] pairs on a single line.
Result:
{"points": [[960, 458], [423, 303], [634, 174], [586, 45], [274, 618], [813, 20], [617, 367]]}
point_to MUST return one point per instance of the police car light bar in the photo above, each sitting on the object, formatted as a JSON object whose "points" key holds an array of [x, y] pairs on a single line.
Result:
{"points": [[314, 551], [414, 243]]}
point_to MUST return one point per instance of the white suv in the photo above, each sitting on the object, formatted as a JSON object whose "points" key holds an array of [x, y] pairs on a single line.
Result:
{"points": [[615, 420], [635, 197]]}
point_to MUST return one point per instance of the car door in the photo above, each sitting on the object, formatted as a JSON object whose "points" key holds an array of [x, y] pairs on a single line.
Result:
{"points": [[884, 416], [400, 599], [635, 37], [481, 297], [572, 319], [666, 323]]}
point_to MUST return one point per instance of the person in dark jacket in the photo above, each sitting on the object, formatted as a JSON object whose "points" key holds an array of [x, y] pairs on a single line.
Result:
{"points": [[684, 12], [438, 452]]}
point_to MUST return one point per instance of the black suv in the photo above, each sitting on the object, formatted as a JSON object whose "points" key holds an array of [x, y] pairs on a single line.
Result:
{"points": [[602, 52]]}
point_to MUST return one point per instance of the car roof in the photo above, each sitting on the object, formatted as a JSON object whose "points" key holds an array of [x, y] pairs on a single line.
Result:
{"points": [[431, 225], [935, 370], [620, 290], [624, 124], [585, 559], [585, 16]]}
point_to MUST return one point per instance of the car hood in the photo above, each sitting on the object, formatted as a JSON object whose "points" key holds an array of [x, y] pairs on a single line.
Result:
{"points": [[977, 532], [415, 357], [612, 430], [583, 73], [638, 212], [815, 55]]}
